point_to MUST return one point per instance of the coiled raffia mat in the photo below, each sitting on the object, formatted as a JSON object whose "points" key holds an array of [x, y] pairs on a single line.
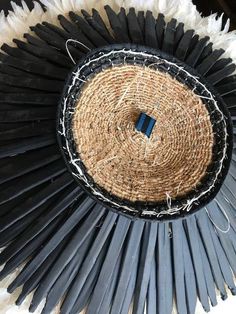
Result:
{"points": [[127, 163]]}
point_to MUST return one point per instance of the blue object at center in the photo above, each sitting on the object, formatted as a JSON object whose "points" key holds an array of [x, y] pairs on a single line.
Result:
{"points": [[145, 124]]}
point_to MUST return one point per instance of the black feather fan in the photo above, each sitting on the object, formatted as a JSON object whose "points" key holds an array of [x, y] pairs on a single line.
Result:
{"points": [[81, 244]]}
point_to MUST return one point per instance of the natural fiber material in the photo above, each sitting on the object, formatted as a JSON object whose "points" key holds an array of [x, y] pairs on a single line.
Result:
{"points": [[125, 162], [168, 204], [69, 244]]}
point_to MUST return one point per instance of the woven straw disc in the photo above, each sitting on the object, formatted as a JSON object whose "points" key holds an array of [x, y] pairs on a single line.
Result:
{"points": [[127, 163]]}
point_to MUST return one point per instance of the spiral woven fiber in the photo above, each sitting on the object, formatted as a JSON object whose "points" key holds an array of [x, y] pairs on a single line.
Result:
{"points": [[127, 163], [117, 158]]}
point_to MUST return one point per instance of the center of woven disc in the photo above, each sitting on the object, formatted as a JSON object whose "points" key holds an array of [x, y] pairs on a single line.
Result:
{"points": [[123, 161]]}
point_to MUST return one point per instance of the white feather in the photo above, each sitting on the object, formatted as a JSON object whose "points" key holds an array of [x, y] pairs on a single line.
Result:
{"points": [[20, 19]]}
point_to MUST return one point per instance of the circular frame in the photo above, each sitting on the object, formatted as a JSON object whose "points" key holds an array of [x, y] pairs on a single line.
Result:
{"points": [[116, 55]]}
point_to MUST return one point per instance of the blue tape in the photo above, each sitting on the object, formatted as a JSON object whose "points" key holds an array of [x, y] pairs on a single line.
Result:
{"points": [[140, 121], [145, 124]]}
